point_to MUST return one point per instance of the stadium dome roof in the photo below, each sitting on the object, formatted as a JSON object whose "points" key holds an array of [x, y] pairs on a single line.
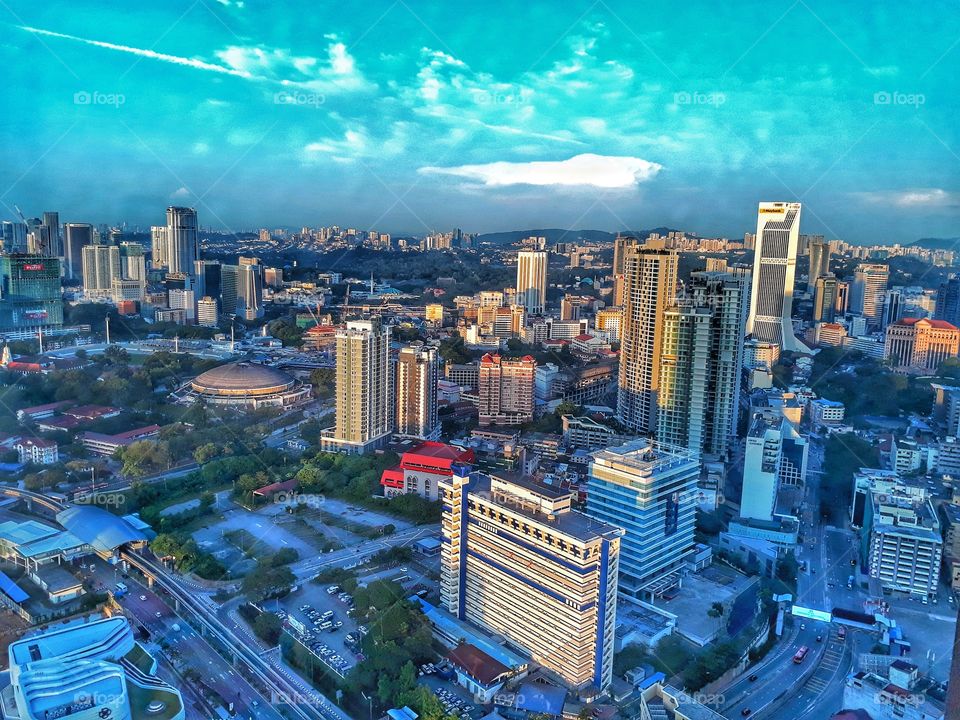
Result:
{"points": [[242, 379]]}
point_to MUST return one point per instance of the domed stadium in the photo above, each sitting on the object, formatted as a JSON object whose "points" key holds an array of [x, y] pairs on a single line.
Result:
{"points": [[247, 385]]}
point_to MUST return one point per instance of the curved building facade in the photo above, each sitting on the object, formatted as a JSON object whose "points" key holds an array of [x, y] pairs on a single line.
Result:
{"points": [[246, 385]]}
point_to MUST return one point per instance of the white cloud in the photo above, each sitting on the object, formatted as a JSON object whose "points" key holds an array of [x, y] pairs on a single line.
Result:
{"points": [[357, 144], [581, 170], [913, 198], [181, 193]]}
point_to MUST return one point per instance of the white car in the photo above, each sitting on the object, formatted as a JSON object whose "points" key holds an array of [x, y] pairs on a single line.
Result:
{"points": [[143, 598], [159, 614]]}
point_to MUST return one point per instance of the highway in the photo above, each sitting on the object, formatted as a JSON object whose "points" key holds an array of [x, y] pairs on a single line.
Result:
{"points": [[309, 706]]}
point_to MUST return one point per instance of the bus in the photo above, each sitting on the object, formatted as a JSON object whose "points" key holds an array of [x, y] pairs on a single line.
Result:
{"points": [[801, 654], [842, 633]]}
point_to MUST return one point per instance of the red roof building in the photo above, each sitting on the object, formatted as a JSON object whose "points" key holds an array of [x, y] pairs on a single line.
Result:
{"points": [[421, 469], [477, 671]]}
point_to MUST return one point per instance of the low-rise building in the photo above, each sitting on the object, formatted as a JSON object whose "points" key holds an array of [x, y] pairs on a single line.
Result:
{"points": [[885, 699], [421, 470], [107, 445], [586, 433], [38, 451], [827, 412]]}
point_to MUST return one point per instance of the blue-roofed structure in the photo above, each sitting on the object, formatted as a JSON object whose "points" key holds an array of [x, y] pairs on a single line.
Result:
{"points": [[102, 530], [13, 591], [540, 699]]}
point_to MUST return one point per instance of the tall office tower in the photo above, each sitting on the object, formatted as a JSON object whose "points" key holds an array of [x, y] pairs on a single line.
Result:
{"points": [[207, 311], [38, 237], [29, 292], [364, 392], [158, 247], [843, 297], [115, 236], [948, 301], [206, 275], [229, 288], [532, 281], [417, 373], [867, 291], [183, 300], [749, 241], [570, 307], [76, 237], [650, 491], [775, 455], [700, 365], [892, 307], [101, 264], [133, 262], [506, 390], [650, 282], [819, 253], [825, 299], [250, 288], [183, 239], [774, 267], [14, 237], [620, 245], [51, 221], [518, 561]]}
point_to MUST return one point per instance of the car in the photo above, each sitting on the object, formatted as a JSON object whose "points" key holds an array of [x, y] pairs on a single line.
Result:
{"points": [[363, 629], [753, 678], [819, 638], [143, 598], [158, 613], [950, 599], [254, 703], [746, 712], [803, 626]]}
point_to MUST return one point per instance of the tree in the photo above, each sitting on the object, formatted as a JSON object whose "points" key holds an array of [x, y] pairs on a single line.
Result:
{"points": [[716, 610], [268, 627]]}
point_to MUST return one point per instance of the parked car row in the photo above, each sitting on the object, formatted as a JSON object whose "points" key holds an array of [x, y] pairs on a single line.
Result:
{"points": [[329, 656], [453, 705]]}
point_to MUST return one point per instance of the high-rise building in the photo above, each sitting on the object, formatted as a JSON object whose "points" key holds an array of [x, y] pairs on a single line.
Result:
{"points": [[819, 253], [532, 281], [76, 237], [206, 275], [30, 292], [250, 288], [133, 262], [158, 247], [183, 300], [417, 373], [700, 364], [825, 299], [506, 390], [14, 237], [364, 389], [650, 282], [518, 561], [869, 287], [182, 239], [570, 307], [229, 288], [892, 307], [101, 264], [38, 237], [650, 491], [948, 301], [620, 245], [843, 297], [207, 311], [51, 224], [774, 269], [775, 455]]}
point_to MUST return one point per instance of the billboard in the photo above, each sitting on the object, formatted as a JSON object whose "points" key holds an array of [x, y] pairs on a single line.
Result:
{"points": [[811, 614]]}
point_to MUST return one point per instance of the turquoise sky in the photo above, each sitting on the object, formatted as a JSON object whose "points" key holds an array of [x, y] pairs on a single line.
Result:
{"points": [[407, 116]]}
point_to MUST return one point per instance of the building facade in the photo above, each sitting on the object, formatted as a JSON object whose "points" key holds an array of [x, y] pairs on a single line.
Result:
{"points": [[921, 344], [868, 289], [532, 281], [182, 239], [417, 373], [506, 390], [518, 561], [30, 296]]}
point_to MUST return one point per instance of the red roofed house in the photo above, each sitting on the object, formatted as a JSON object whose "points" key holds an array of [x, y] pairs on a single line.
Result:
{"points": [[421, 469], [39, 412], [479, 673], [101, 444], [92, 412], [921, 344]]}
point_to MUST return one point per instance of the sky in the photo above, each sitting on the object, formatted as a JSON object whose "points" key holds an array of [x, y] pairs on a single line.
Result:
{"points": [[409, 117]]}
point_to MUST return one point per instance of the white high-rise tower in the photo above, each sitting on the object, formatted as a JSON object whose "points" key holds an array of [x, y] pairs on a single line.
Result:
{"points": [[774, 267], [532, 281], [182, 239]]}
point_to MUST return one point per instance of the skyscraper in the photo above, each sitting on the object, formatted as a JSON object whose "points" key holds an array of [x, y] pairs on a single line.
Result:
{"points": [[207, 278], [825, 299], [30, 292], [700, 364], [250, 288], [948, 301], [101, 264], [158, 247], [51, 222], [182, 239], [774, 268], [229, 288], [364, 392], [532, 281], [650, 282], [620, 245], [650, 491], [819, 253], [14, 237], [518, 561], [76, 237], [892, 307], [506, 390], [207, 311], [417, 373], [133, 262], [869, 287]]}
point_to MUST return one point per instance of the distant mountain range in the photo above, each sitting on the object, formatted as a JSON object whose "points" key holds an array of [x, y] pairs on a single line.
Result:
{"points": [[555, 235], [939, 243]]}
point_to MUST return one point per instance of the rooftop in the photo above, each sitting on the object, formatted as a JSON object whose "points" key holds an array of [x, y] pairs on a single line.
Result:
{"points": [[477, 664]]}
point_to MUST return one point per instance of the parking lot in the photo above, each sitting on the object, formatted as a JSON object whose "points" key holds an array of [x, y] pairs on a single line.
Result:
{"points": [[456, 701]]}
